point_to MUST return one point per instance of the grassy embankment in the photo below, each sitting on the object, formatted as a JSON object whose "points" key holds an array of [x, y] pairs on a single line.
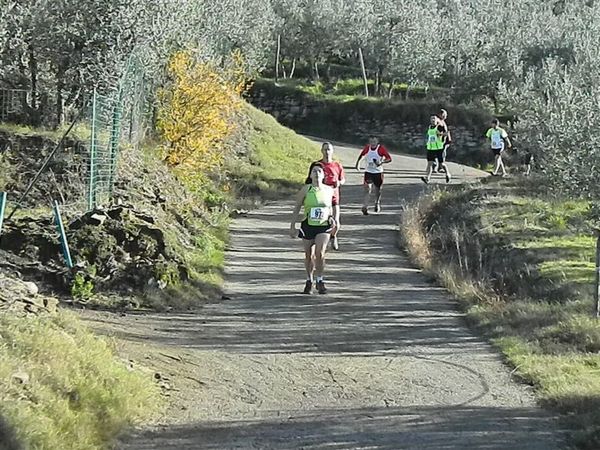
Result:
{"points": [[272, 164], [276, 162], [522, 265], [63, 387]]}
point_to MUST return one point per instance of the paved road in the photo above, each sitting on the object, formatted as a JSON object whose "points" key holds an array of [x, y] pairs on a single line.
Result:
{"points": [[384, 361]]}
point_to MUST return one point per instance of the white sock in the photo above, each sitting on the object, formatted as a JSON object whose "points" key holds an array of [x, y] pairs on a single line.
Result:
{"points": [[319, 279]]}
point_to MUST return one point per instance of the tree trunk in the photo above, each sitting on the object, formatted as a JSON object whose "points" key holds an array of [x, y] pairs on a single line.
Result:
{"points": [[391, 90], [293, 69], [33, 112], [364, 71], [278, 53], [379, 82], [60, 85], [317, 77], [33, 71], [597, 287]]}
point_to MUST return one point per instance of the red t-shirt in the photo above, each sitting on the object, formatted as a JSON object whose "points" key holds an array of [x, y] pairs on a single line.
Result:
{"points": [[334, 172]]}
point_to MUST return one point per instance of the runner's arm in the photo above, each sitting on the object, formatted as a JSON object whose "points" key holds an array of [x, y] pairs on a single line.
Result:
{"points": [[342, 176], [507, 139], [299, 201], [442, 131], [362, 153], [386, 157]]}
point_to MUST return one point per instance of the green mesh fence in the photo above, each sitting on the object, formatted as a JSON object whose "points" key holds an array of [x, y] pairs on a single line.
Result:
{"points": [[81, 171], [116, 119], [105, 129]]}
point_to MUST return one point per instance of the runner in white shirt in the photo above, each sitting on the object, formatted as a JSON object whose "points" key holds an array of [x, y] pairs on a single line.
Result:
{"points": [[497, 137], [376, 155]]}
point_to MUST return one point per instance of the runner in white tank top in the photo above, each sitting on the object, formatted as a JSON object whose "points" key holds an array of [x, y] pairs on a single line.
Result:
{"points": [[376, 155]]}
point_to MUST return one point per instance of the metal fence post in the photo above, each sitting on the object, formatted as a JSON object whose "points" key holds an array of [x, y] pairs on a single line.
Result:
{"points": [[3, 196], [115, 135], [93, 141], [597, 289], [63, 235]]}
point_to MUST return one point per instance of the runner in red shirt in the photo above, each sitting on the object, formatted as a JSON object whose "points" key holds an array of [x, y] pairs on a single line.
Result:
{"points": [[376, 156], [334, 177]]}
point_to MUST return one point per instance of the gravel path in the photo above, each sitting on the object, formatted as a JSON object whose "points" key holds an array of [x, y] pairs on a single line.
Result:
{"points": [[384, 361]]}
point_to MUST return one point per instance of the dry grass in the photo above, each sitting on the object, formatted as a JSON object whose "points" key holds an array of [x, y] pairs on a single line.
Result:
{"points": [[413, 238], [549, 336]]}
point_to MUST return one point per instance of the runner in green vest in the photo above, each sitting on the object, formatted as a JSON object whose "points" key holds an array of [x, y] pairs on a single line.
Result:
{"points": [[435, 147], [316, 227]]}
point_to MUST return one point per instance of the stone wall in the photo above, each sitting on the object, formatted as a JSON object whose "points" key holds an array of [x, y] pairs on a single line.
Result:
{"points": [[400, 126]]}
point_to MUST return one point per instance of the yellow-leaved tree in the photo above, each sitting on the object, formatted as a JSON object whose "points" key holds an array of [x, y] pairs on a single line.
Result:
{"points": [[197, 112]]}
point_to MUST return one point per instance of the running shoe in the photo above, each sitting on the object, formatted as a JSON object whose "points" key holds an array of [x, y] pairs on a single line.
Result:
{"points": [[365, 211], [377, 207], [334, 243], [425, 180], [448, 177], [321, 287], [307, 287]]}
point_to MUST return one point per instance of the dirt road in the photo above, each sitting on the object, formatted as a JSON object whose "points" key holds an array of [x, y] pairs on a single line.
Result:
{"points": [[383, 361]]}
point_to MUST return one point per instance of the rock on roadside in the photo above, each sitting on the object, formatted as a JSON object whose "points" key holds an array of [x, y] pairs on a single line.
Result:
{"points": [[23, 296]]}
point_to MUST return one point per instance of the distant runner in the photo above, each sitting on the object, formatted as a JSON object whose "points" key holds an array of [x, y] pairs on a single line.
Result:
{"points": [[376, 156], [442, 117], [334, 177], [527, 161], [435, 148], [316, 226], [497, 137]]}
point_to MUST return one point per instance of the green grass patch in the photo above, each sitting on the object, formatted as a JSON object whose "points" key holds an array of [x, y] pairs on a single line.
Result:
{"points": [[63, 387], [81, 131], [524, 270], [567, 383], [568, 271], [277, 159]]}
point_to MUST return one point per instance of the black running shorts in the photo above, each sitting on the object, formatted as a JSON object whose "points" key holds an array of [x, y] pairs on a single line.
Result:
{"points": [[435, 155], [497, 151], [310, 232], [374, 178]]}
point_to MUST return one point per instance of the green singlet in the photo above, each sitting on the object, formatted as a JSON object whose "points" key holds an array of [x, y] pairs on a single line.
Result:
{"points": [[317, 205]]}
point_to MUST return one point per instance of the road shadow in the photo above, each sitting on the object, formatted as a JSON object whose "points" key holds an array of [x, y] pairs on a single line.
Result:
{"points": [[436, 428]]}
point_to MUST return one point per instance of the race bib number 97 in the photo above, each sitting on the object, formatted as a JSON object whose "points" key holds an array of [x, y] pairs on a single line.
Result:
{"points": [[319, 214]]}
